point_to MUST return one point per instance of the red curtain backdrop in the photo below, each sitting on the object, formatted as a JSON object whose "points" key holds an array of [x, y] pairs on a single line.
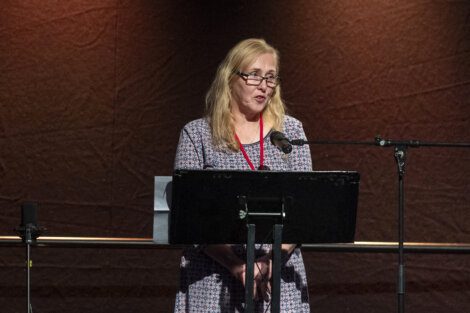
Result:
{"points": [[93, 95]]}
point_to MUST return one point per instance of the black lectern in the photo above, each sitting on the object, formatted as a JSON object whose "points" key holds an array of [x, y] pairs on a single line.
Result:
{"points": [[244, 207]]}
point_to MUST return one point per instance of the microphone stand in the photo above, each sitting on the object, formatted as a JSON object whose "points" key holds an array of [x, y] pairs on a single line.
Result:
{"points": [[28, 234], [400, 157], [29, 241]]}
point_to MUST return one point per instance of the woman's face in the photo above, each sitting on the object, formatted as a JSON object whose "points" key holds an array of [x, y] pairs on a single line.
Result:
{"points": [[247, 98]]}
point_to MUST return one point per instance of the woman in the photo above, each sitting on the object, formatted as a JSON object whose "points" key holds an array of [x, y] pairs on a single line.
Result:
{"points": [[243, 105]]}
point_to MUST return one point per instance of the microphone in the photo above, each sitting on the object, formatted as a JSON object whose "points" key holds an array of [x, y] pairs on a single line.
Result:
{"points": [[29, 213], [29, 229], [280, 140]]}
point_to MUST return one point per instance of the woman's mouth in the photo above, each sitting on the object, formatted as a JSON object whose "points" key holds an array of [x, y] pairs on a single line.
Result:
{"points": [[260, 99]]}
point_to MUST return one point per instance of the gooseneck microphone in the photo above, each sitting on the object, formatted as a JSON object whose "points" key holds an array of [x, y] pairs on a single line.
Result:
{"points": [[280, 140]]}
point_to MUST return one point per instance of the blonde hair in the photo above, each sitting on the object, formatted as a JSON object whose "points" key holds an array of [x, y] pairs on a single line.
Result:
{"points": [[219, 96]]}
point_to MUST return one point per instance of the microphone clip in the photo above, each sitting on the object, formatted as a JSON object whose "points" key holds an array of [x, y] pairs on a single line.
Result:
{"points": [[29, 232]]}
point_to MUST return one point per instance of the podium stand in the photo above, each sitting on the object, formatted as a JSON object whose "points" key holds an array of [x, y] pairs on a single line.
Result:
{"points": [[248, 207]]}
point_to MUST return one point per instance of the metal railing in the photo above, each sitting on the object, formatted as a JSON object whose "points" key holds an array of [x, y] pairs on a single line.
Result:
{"points": [[148, 243]]}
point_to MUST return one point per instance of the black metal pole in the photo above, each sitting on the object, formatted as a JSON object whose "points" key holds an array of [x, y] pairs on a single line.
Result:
{"points": [[250, 268], [29, 231], [28, 277], [400, 156], [276, 270], [382, 143], [28, 240]]}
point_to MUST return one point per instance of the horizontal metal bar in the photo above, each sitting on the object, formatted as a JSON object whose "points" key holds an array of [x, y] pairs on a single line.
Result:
{"points": [[84, 242], [390, 247], [147, 243], [265, 214]]}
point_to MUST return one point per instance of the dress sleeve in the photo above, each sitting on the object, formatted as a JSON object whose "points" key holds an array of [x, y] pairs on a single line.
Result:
{"points": [[189, 154], [300, 158]]}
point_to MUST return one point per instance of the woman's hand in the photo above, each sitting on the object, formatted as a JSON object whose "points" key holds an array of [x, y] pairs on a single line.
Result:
{"points": [[239, 272], [225, 256], [262, 275]]}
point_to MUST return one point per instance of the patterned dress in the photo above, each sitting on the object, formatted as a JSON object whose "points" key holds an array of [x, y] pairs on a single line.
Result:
{"points": [[207, 286]]}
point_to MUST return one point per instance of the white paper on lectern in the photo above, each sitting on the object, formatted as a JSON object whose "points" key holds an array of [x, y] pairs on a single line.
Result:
{"points": [[161, 208]]}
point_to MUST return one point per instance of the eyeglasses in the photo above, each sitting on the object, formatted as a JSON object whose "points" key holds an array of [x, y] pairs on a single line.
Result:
{"points": [[256, 80]]}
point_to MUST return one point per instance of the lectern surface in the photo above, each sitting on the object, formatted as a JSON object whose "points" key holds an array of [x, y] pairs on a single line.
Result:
{"points": [[210, 206]]}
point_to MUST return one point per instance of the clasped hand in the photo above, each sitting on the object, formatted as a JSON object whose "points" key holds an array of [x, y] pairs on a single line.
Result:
{"points": [[262, 277]]}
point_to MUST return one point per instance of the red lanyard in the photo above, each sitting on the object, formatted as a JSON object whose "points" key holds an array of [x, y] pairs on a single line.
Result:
{"points": [[261, 146]]}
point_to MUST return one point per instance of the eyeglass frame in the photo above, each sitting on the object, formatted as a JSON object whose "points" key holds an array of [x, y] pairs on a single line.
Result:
{"points": [[244, 76]]}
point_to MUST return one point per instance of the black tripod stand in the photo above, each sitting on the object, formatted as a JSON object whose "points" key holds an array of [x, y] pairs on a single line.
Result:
{"points": [[400, 157]]}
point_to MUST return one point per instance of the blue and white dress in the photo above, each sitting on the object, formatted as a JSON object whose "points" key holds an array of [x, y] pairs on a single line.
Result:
{"points": [[207, 286]]}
